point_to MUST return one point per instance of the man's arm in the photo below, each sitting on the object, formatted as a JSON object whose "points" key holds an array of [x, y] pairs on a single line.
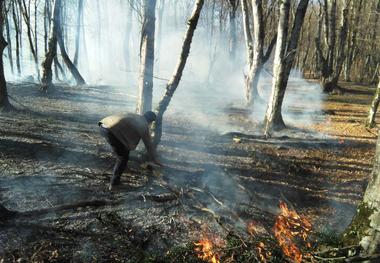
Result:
{"points": [[149, 147]]}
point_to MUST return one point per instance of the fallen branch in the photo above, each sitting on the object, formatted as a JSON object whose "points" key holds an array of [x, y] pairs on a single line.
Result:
{"points": [[93, 203], [337, 250], [362, 258], [165, 197]]}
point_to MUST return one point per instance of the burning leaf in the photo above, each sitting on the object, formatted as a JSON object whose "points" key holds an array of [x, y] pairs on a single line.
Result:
{"points": [[252, 228], [289, 228], [208, 249], [263, 254]]}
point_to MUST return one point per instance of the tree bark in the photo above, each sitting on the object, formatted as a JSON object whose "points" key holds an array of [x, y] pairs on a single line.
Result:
{"points": [[160, 19], [4, 101], [79, 30], [365, 226], [10, 56], [145, 85], [17, 33], [47, 74], [72, 68], [283, 61], [233, 6], [247, 31], [328, 15], [61, 43], [341, 54], [258, 58], [373, 109], [175, 79], [352, 45], [26, 15]]}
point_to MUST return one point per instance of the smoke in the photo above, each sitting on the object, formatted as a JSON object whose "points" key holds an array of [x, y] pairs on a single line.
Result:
{"points": [[212, 83]]}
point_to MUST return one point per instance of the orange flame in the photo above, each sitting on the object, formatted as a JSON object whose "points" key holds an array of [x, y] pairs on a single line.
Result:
{"points": [[289, 227], [205, 248], [252, 228], [263, 253]]}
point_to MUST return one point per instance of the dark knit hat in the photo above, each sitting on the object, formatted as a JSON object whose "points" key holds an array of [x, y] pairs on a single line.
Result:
{"points": [[150, 116]]}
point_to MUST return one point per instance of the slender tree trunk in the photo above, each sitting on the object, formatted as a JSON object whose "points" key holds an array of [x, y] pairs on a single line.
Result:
{"points": [[4, 102], [321, 63], [144, 102], [26, 15], [58, 69], [273, 117], [247, 31], [47, 16], [232, 47], [47, 74], [78, 33], [72, 68], [352, 45], [159, 32], [258, 50], [17, 33], [328, 15], [10, 57], [283, 61], [303, 65], [341, 54], [175, 79], [36, 38], [365, 226], [258, 56], [373, 109]]}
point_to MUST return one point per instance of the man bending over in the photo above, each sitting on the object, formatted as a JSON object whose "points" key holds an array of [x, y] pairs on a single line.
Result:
{"points": [[123, 133]]}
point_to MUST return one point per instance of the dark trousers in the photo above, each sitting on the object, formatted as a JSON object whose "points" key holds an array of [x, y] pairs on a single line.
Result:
{"points": [[121, 152]]}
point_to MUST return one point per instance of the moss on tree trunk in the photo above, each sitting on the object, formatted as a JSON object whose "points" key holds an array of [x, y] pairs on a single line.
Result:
{"points": [[359, 225]]}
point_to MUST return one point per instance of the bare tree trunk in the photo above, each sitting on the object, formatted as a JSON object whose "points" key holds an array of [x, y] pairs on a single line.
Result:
{"points": [[17, 33], [373, 109], [36, 37], [4, 102], [365, 226], [144, 102], [341, 54], [160, 18], [352, 45], [47, 74], [58, 69], [273, 116], [283, 61], [258, 58], [234, 4], [79, 30], [10, 57], [175, 79], [47, 16], [26, 15], [327, 62], [247, 31], [72, 68]]}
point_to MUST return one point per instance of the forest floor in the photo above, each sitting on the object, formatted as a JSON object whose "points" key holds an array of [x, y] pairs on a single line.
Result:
{"points": [[55, 169]]}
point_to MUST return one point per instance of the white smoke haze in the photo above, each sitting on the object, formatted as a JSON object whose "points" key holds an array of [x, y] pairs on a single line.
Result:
{"points": [[207, 90], [210, 83]]}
